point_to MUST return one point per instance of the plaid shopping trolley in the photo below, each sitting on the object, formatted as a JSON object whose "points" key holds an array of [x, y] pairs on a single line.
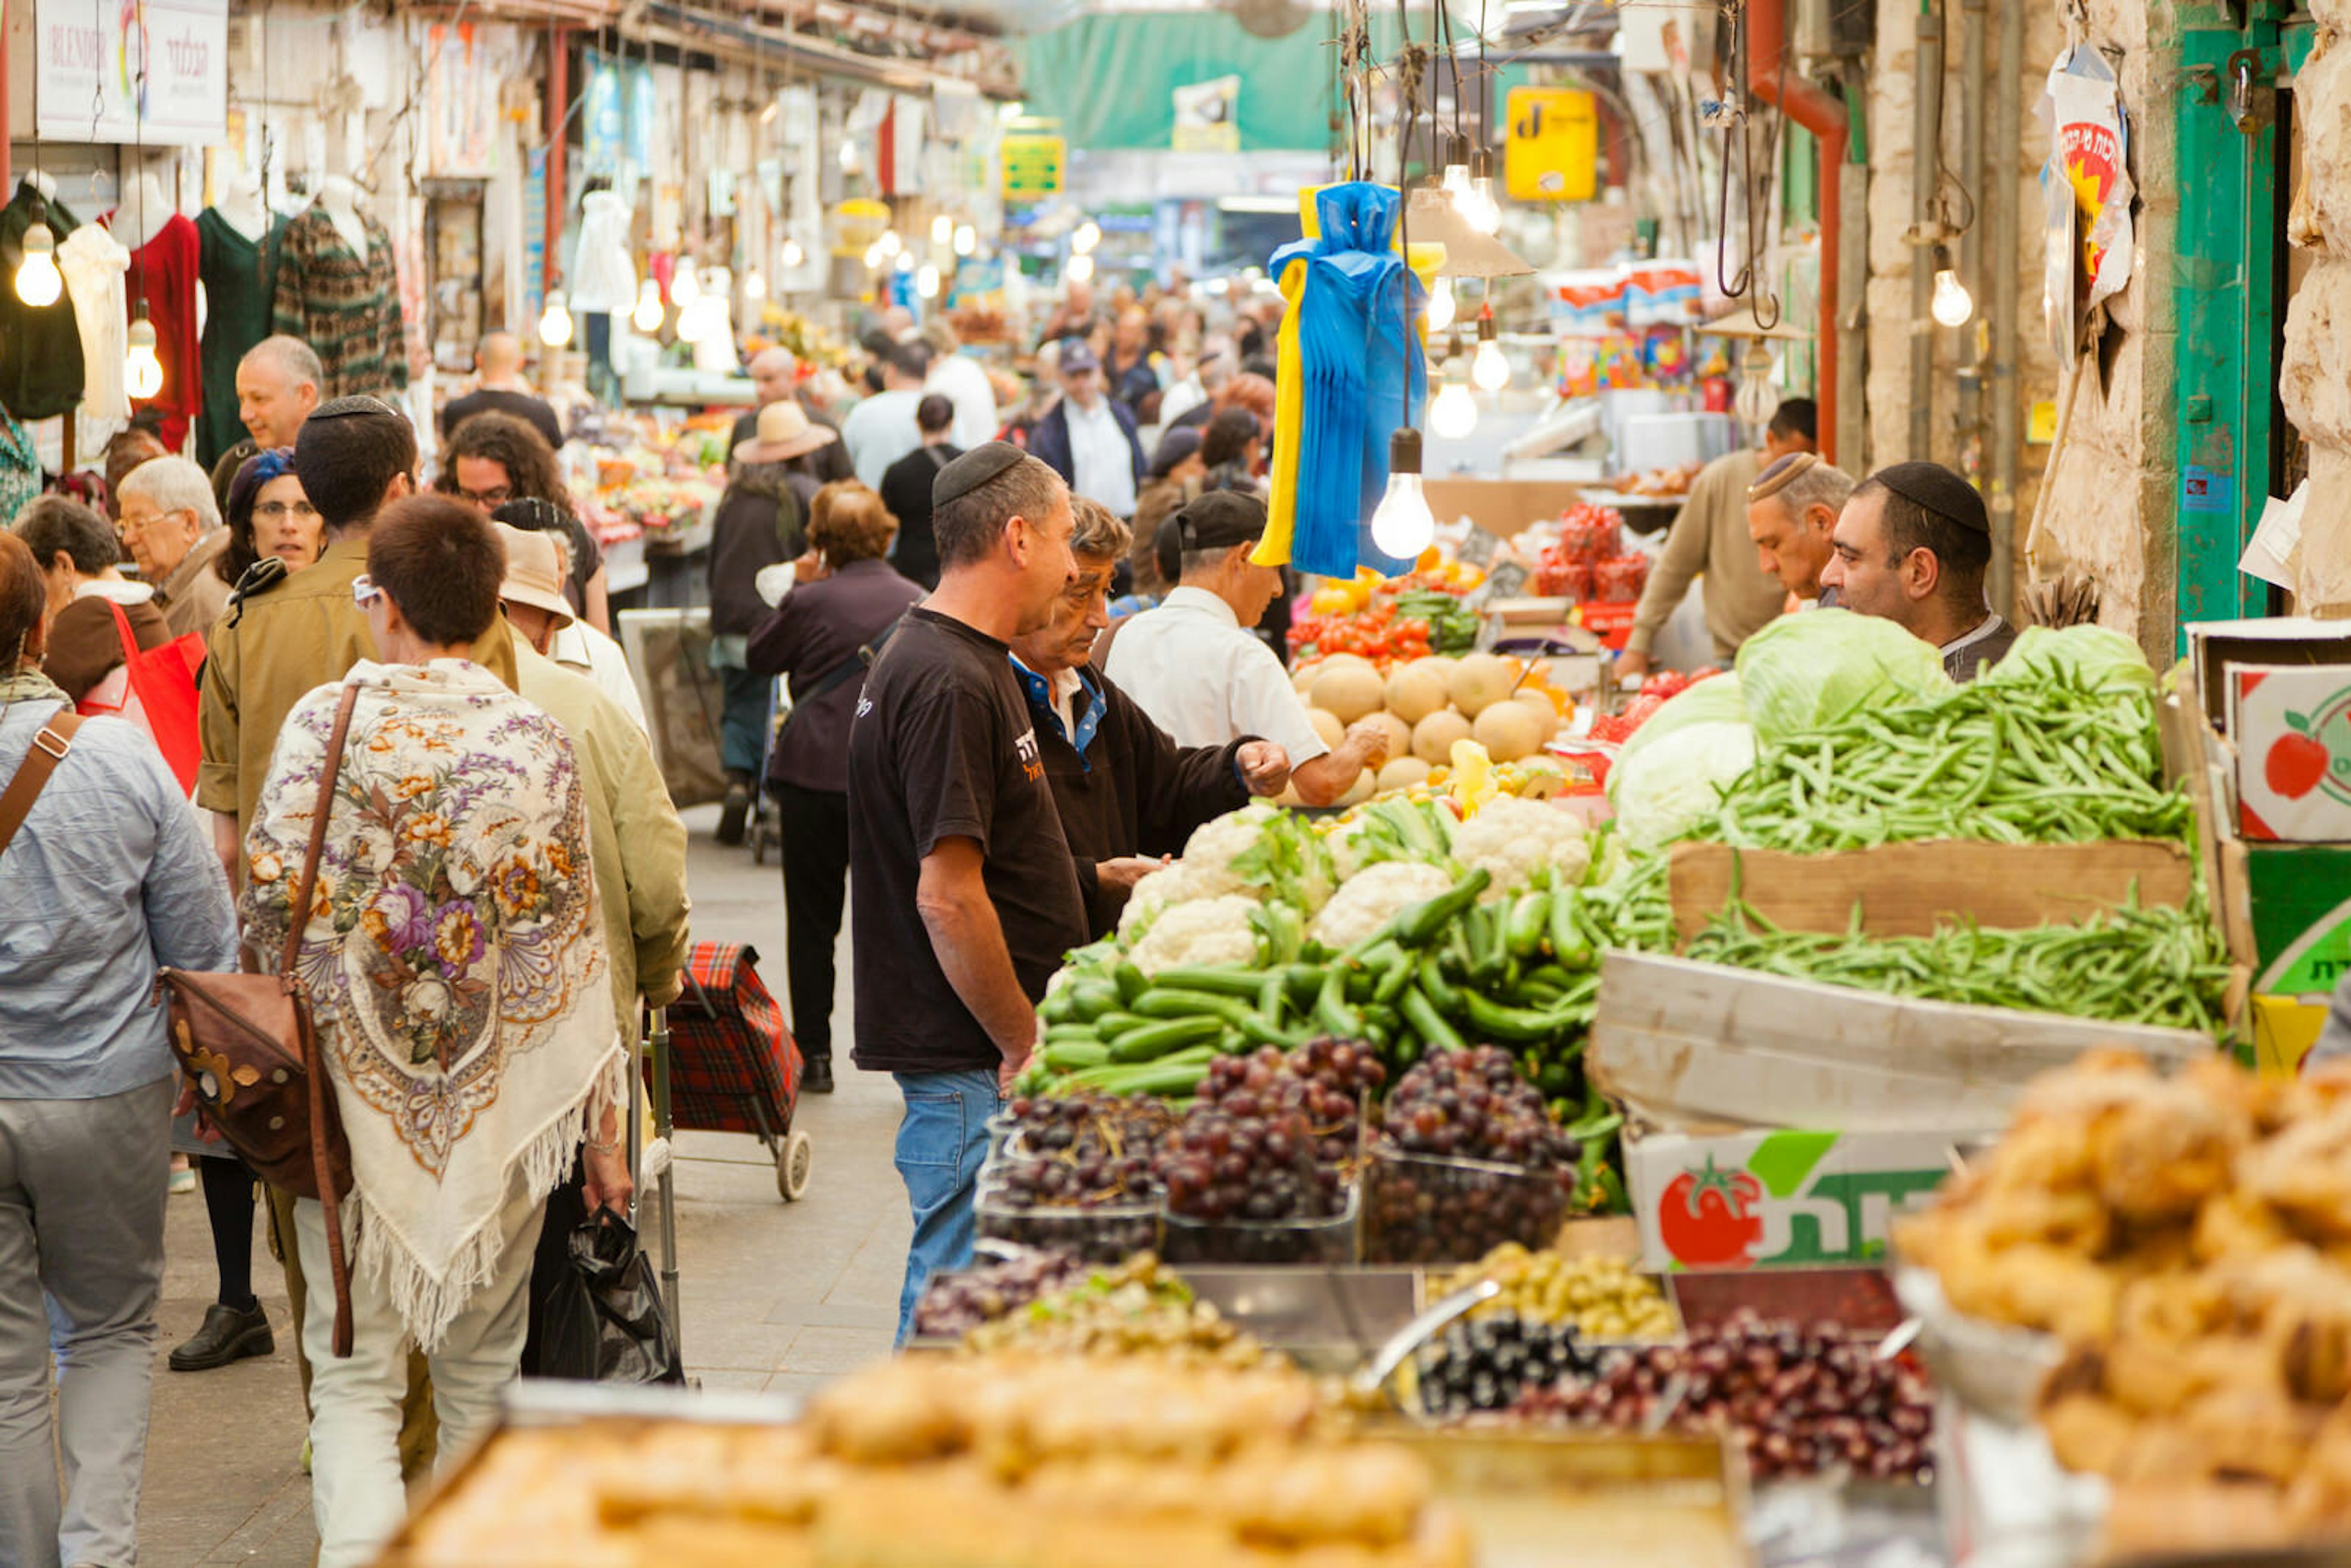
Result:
{"points": [[733, 1066]]}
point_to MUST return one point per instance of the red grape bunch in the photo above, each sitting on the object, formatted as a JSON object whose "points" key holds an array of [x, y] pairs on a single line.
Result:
{"points": [[1472, 1104]]}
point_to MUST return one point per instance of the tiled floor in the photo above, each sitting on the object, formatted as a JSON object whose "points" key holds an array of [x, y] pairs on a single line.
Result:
{"points": [[776, 1297]]}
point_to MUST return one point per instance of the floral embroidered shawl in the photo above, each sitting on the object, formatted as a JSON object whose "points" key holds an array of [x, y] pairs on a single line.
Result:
{"points": [[454, 959]]}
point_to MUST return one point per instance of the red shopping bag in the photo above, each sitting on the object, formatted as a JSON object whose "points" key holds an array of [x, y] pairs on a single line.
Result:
{"points": [[155, 689]]}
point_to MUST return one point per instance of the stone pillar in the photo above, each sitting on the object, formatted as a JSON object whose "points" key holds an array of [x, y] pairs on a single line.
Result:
{"points": [[2315, 378]]}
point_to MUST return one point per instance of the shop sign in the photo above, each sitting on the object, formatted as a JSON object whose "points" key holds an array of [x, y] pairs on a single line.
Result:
{"points": [[2089, 160], [1208, 116], [1789, 1198], [617, 117], [1033, 163], [1552, 153], [152, 70]]}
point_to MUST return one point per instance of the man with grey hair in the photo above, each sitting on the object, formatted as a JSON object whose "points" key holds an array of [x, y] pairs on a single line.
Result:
{"points": [[775, 378], [277, 384], [1192, 400], [1791, 515], [173, 525]]}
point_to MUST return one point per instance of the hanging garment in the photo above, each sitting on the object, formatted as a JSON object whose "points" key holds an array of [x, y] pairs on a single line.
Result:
{"points": [[1354, 357], [20, 469], [346, 306], [40, 346], [163, 273], [94, 263], [603, 279], [240, 275]]}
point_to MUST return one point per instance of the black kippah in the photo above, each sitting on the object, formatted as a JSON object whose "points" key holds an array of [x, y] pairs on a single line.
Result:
{"points": [[1940, 491], [973, 469]]}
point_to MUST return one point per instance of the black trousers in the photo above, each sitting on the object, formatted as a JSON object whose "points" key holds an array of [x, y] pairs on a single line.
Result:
{"points": [[816, 885]]}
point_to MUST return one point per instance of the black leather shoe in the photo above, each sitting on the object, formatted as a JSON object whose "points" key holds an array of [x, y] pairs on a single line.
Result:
{"points": [[734, 813], [227, 1335], [816, 1075]]}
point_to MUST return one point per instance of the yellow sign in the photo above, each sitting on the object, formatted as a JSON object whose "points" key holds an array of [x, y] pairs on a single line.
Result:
{"points": [[2041, 424], [1553, 150], [1032, 165]]}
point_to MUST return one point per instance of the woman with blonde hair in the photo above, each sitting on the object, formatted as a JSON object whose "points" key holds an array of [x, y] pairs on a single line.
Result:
{"points": [[839, 602]]}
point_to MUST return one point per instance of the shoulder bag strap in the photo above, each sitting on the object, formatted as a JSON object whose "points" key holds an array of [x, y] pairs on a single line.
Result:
{"points": [[314, 1066], [122, 630], [857, 663], [48, 749]]}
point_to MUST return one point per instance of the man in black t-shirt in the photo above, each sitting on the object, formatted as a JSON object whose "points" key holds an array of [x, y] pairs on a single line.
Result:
{"points": [[962, 888], [500, 389]]}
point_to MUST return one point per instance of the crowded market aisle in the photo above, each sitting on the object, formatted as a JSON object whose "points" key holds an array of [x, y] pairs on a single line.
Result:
{"points": [[777, 1296]]}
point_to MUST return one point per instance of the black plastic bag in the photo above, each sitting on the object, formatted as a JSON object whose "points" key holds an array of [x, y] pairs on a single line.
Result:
{"points": [[604, 1320]]}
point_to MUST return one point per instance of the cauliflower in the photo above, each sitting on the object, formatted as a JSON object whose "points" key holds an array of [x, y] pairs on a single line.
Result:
{"points": [[1218, 841], [1182, 883], [1365, 901], [1203, 930], [1513, 839], [1268, 849]]}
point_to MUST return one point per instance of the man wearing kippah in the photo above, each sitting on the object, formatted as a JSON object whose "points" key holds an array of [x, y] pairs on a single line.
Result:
{"points": [[1708, 545], [1911, 546]]}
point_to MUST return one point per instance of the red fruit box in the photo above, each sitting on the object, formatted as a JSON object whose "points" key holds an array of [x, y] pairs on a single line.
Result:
{"points": [[2292, 724], [1612, 623]]}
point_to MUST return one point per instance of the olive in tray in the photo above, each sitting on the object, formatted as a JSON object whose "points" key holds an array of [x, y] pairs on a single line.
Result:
{"points": [[1074, 1175], [1484, 1364]]}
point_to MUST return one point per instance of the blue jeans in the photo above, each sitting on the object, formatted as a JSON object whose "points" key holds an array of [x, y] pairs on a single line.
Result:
{"points": [[941, 1142]]}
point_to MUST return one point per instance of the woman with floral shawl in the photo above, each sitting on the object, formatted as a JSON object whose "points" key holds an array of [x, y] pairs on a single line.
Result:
{"points": [[454, 965]]}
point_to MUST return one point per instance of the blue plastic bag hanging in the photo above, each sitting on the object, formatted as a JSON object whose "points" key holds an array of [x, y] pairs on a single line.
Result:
{"points": [[1357, 309]]}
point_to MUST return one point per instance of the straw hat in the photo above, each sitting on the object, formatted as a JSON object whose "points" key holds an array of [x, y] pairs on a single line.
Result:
{"points": [[534, 572], [785, 432]]}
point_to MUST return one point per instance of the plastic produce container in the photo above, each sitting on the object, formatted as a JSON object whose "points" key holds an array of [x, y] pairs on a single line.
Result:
{"points": [[1429, 1210], [1097, 1233], [1290, 1241]]}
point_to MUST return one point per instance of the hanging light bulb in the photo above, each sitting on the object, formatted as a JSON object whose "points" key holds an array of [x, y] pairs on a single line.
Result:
{"points": [[1402, 524], [849, 154], [943, 230], [1480, 211], [647, 317], [1490, 368], [1953, 303], [905, 262], [1441, 305], [1080, 269], [793, 255], [555, 322], [1757, 399], [143, 372], [1456, 182], [966, 240], [38, 281], [685, 289], [768, 111], [926, 281], [873, 256], [890, 242], [1453, 414], [755, 285], [1088, 236]]}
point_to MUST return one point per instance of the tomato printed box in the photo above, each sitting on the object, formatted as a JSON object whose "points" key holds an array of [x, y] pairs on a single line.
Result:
{"points": [[2291, 728], [1777, 1199]]}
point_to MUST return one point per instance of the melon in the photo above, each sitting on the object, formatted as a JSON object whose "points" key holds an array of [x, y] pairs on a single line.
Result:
{"points": [[1416, 690], [1360, 790], [1400, 733], [1403, 772], [1327, 726], [1540, 706], [1433, 737], [1478, 681], [1508, 731], [1348, 693]]}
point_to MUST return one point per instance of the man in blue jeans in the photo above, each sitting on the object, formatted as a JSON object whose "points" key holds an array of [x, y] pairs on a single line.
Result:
{"points": [[963, 891]]}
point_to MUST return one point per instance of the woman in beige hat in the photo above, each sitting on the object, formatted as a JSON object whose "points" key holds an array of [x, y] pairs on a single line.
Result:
{"points": [[761, 522]]}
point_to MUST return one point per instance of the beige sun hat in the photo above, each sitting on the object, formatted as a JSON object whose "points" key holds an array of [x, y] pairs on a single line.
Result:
{"points": [[534, 572], [785, 432]]}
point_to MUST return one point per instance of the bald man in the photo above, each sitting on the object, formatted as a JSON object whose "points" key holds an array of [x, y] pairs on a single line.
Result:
{"points": [[775, 378], [500, 389]]}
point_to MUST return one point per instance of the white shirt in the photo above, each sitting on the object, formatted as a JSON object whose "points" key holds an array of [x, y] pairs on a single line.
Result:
{"points": [[583, 649], [94, 263], [1101, 457], [1206, 680], [1180, 399], [962, 382], [880, 431]]}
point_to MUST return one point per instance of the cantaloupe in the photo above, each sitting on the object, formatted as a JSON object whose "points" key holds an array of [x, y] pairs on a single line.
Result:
{"points": [[1404, 772], [1535, 703], [1508, 731], [1416, 690], [1360, 790], [1349, 692], [1478, 680], [1326, 725], [1433, 737], [1400, 733]]}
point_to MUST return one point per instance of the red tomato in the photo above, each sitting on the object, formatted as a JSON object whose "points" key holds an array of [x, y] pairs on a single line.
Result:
{"points": [[1707, 1216]]}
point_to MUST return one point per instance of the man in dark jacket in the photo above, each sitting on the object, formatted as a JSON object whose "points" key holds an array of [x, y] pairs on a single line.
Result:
{"points": [[1088, 437], [1127, 794]]}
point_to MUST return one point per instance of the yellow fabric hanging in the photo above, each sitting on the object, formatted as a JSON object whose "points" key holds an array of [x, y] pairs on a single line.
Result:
{"points": [[1289, 387]]}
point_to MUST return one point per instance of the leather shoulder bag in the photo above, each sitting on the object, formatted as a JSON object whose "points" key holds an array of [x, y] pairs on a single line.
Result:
{"points": [[246, 1044], [48, 749]]}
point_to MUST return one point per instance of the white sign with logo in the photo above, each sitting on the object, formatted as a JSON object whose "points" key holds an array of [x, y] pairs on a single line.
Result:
{"points": [[133, 71]]}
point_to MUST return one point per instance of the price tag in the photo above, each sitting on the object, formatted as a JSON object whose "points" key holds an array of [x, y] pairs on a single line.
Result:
{"points": [[1506, 580], [1479, 548]]}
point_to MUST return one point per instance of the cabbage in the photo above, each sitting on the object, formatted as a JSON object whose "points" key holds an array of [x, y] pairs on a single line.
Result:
{"points": [[1714, 700], [2097, 658], [1676, 785], [1808, 671]]}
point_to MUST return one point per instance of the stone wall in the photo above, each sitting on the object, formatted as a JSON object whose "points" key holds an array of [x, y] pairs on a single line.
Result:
{"points": [[2315, 380]]}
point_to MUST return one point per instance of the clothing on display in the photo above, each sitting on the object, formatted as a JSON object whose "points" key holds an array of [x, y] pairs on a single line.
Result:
{"points": [[94, 263], [240, 275], [40, 345], [603, 278], [345, 306], [163, 273], [20, 464]]}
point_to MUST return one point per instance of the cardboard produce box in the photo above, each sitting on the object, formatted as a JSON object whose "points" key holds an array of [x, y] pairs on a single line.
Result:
{"points": [[2291, 728], [1779, 1199]]}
